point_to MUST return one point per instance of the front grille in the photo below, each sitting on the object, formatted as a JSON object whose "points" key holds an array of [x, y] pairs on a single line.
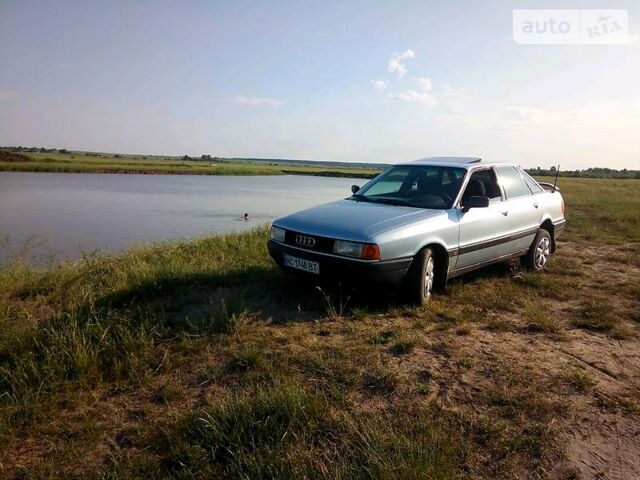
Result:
{"points": [[322, 244]]}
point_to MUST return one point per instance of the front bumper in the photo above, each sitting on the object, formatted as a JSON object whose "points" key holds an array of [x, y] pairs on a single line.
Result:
{"points": [[348, 270]]}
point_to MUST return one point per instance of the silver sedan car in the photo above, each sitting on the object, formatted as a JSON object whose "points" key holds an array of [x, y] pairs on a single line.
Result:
{"points": [[418, 224]]}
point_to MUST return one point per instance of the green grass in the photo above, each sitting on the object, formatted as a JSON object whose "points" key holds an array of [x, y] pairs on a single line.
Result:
{"points": [[404, 345], [602, 210], [84, 162], [102, 322], [249, 358], [280, 429], [539, 319], [597, 314]]}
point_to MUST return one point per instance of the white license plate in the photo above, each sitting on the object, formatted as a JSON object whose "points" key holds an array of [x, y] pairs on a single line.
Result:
{"points": [[302, 264]]}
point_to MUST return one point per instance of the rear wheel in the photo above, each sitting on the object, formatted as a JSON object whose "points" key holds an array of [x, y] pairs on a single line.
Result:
{"points": [[420, 278], [540, 251]]}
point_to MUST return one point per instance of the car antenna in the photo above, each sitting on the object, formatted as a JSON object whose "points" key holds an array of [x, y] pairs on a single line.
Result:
{"points": [[555, 182]]}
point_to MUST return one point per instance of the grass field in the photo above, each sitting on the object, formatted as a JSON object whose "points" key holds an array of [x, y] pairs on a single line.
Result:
{"points": [[85, 162], [201, 360]]}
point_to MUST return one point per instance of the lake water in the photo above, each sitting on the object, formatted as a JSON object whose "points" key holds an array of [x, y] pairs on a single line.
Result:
{"points": [[60, 215]]}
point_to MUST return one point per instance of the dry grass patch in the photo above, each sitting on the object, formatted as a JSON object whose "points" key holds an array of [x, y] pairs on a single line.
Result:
{"points": [[498, 324], [542, 284], [612, 403], [404, 345], [597, 314], [540, 319], [578, 379], [382, 379], [249, 358]]}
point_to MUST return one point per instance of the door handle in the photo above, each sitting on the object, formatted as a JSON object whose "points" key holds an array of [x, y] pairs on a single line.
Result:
{"points": [[535, 205], [505, 212]]}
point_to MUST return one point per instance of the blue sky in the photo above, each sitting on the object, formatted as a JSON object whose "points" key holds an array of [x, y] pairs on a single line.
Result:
{"points": [[351, 81]]}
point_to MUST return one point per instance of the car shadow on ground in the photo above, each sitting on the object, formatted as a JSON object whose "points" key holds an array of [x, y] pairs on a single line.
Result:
{"points": [[264, 293]]}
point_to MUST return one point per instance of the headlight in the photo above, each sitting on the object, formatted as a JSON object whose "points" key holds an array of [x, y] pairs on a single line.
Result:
{"points": [[348, 249], [366, 251], [277, 234]]}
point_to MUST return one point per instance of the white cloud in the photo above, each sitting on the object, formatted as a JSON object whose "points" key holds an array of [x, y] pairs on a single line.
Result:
{"points": [[526, 112], [379, 84], [256, 101], [455, 93], [425, 84], [6, 94], [422, 96], [396, 62], [415, 97]]}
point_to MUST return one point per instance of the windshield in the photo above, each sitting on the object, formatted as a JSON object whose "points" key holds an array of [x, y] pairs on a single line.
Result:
{"points": [[421, 186]]}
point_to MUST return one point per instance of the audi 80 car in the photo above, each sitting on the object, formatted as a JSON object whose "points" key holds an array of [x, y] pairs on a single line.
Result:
{"points": [[418, 224]]}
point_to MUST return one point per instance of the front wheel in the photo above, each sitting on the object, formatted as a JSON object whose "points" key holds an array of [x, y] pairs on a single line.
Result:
{"points": [[421, 277], [540, 251]]}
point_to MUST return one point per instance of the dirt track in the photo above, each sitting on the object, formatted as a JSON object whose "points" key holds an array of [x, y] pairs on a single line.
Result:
{"points": [[600, 426]]}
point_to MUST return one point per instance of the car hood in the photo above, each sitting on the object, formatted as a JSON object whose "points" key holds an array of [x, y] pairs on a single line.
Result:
{"points": [[353, 220]]}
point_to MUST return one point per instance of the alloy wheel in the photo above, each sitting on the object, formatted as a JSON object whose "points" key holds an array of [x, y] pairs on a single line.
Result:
{"points": [[428, 277], [543, 251]]}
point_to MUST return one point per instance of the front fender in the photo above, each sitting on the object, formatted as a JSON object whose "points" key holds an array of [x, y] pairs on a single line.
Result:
{"points": [[408, 240]]}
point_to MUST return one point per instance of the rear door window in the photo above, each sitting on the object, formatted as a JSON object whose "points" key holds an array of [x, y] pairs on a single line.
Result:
{"points": [[533, 185], [512, 182]]}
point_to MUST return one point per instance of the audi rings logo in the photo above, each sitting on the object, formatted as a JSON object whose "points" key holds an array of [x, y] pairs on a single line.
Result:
{"points": [[304, 241]]}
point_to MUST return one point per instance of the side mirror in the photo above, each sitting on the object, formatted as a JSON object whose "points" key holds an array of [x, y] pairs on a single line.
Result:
{"points": [[354, 189], [474, 201]]}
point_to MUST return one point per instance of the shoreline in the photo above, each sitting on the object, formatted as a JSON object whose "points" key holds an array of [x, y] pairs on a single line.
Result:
{"points": [[77, 162], [39, 168]]}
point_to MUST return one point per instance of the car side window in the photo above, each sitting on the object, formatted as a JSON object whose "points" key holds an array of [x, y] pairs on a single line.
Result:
{"points": [[533, 185], [512, 182], [484, 184]]}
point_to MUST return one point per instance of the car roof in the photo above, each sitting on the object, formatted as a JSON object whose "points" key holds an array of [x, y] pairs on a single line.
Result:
{"points": [[461, 162]]}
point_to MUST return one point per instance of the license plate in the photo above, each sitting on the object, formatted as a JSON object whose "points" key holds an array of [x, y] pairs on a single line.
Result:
{"points": [[302, 264]]}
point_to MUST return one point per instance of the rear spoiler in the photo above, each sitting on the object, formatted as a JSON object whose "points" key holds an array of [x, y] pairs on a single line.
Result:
{"points": [[551, 186]]}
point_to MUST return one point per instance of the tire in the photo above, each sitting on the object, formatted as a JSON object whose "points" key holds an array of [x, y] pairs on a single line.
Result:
{"points": [[420, 279], [539, 253]]}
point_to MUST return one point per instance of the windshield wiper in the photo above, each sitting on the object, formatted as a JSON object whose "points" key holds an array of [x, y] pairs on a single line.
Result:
{"points": [[392, 201], [360, 198], [387, 201]]}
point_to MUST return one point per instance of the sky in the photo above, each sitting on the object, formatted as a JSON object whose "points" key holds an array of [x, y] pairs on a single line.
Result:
{"points": [[358, 81]]}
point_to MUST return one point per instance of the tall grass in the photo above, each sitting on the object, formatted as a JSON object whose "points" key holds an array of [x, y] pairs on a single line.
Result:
{"points": [[281, 429], [100, 320]]}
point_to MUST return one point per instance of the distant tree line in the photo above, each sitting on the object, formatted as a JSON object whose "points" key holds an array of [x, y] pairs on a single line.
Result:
{"points": [[594, 172], [35, 150], [585, 173], [204, 158]]}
